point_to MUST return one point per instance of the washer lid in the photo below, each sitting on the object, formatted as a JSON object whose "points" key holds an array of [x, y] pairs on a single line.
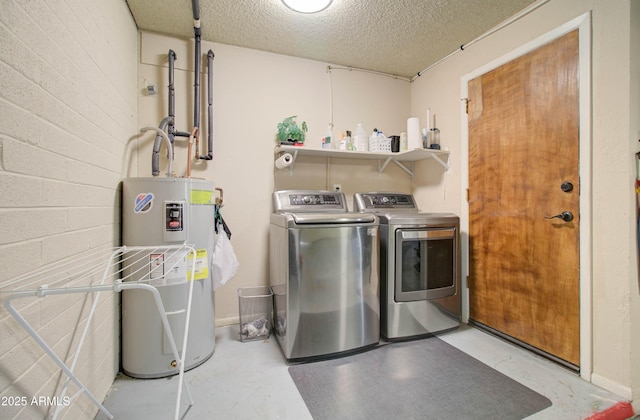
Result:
{"points": [[332, 218]]}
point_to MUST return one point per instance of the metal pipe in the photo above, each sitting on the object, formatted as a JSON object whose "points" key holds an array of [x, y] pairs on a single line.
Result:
{"points": [[196, 85], [196, 71], [155, 157], [194, 135], [209, 155], [181, 134], [195, 5], [196, 148], [172, 101]]}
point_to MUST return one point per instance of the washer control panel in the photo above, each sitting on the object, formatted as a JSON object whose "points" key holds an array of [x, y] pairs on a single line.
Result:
{"points": [[309, 200], [314, 199]]}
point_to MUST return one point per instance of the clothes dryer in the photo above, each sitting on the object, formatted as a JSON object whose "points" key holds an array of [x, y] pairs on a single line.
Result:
{"points": [[419, 266]]}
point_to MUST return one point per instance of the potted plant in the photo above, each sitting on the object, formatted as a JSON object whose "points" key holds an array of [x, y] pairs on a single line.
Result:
{"points": [[290, 133]]}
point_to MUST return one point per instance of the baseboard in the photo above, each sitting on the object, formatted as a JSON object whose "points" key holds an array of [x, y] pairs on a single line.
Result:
{"points": [[223, 322], [611, 386]]}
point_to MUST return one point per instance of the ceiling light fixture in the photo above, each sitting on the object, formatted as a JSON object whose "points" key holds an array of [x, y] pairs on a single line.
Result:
{"points": [[307, 6]]}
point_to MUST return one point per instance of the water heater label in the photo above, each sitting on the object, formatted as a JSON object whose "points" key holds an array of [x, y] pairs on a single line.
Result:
{"points": [[156, 266], [201, 267], [201, 197], [144, 202], [167, 270]]}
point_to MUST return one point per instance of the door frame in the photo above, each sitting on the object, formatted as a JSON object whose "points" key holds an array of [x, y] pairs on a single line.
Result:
{"points": [[583, 24]]}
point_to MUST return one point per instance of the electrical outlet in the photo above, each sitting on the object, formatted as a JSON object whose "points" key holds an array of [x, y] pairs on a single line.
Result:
{"points": [[337, 187]]}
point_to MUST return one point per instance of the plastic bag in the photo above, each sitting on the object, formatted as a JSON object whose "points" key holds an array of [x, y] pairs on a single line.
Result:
{"points": [[224, 263]]}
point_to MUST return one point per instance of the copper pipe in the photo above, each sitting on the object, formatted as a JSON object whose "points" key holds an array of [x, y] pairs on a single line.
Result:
{"points": [[197, 151]]}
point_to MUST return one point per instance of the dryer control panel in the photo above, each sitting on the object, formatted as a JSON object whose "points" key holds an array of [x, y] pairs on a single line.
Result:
{"points": [[372, 201]]}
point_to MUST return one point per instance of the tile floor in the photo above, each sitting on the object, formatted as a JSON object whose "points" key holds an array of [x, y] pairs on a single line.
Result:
{"points": [[250, 380]]}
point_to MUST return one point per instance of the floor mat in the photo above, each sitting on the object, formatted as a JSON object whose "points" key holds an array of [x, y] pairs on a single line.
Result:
{"points": [[425, 379]]}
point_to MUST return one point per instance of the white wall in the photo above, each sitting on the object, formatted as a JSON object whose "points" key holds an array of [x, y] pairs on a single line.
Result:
{"points": [[614, 280], [253, 91], [634, 138], [67, 108]]}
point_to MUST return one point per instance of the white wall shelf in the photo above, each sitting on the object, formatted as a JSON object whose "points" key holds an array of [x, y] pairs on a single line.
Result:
{"points": [[383, 158]]}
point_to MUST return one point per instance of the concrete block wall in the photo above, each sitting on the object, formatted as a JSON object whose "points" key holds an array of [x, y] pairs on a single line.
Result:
{"points": [[68, 120]]}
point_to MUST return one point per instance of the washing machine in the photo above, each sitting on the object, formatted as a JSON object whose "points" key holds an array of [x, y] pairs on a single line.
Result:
{"points": [[324, 275], [419, 266]]}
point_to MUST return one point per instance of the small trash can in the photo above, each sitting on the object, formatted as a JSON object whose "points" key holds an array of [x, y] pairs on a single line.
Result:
{"points": [[255, 304]]}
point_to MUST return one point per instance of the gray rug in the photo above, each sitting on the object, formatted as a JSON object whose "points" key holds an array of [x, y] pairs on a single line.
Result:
{"points": [[425, 379]]}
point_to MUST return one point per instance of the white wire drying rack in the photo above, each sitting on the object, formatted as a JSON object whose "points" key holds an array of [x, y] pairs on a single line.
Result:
{"points": [[101, 270]]}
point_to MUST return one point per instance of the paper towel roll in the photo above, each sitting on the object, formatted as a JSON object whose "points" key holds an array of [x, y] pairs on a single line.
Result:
{"points": [[284, 161], [414, 139]]}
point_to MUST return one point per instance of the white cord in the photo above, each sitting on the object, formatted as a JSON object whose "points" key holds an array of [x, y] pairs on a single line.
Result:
{"points": [[166, 139], [330, 101], [495, 29]]}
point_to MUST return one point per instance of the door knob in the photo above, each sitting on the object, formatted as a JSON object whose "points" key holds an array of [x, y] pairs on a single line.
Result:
{"points": [[566, 216]]}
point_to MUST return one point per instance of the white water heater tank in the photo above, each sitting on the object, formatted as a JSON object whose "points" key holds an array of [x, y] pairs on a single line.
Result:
{"points": [[168, 211]]}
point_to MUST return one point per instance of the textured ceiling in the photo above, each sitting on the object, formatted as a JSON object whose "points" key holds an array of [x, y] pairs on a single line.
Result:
{"points": [[399, 37]]}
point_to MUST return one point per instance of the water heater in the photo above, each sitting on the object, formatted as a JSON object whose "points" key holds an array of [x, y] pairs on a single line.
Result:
{"points": [[168, 211]]}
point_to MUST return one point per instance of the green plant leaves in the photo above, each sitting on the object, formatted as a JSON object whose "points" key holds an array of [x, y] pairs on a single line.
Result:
{"points": [[288, 129]]}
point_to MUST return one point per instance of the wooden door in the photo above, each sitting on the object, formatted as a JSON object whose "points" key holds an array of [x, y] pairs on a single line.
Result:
{"points": [[523, 156]]}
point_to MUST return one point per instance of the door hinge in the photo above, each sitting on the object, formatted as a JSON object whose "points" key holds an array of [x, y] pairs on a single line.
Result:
{"points": [[467, 193], [466, 104]]}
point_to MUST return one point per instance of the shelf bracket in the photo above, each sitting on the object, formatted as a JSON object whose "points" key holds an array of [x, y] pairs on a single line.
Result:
{"points": [[384, 165], [444, 164], [293, 162], [381, 167], [404, 168]]}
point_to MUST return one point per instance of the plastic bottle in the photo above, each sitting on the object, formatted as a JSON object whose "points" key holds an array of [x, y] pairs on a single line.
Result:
{"points": [[348, 141], [404, 144], [342, 145], [373, 141], [434, 139], [361, 139]]}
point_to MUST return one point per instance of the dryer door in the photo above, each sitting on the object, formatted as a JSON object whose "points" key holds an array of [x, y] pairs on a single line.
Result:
{"points": [[425, 263]]}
